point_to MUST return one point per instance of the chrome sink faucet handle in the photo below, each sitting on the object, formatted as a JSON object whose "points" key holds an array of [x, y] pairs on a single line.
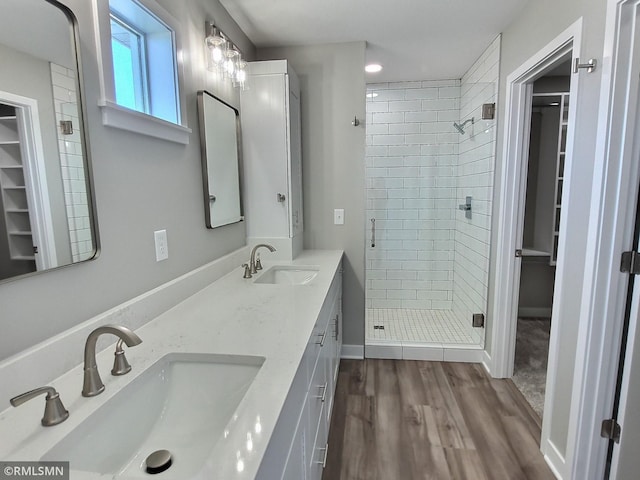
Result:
{"points": [[54, 411], [120, 364], [252, 262], [93, 385], [247, 271]]}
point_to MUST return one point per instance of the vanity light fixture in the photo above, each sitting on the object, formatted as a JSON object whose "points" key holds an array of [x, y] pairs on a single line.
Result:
{"points": [[373, 68], [224, 57]]}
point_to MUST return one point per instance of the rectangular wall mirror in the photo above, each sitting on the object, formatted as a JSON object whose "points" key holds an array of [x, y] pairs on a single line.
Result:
{"points": [[46, 211], [219, 140]]}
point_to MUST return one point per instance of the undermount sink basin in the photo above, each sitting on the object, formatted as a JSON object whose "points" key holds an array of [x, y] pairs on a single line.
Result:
{"points": [[182, 404], [288, 275]]}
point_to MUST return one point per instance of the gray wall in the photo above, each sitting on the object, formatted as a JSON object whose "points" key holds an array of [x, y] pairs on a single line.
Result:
{"points": [[141, 185], [333, 88], [538, 24]]}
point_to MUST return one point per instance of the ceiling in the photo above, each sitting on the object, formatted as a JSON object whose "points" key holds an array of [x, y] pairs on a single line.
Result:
{"points": [[412, 39]]}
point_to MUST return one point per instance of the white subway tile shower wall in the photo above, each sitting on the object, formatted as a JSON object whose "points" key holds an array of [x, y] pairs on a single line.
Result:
{"points": [[71, 163], [475, 171], [411, 159]]}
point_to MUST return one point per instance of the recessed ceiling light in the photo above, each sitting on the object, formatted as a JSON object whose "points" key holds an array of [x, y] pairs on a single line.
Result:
{"points": [[372, 95], [373, 68]]}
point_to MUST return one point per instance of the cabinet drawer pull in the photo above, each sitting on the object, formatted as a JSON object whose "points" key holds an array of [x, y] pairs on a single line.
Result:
{"points": [[323, 397], [335, 331], [324, 456], [322, 336]]}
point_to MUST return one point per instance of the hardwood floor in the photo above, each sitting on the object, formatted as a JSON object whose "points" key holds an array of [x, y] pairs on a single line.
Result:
{"points": [[409, 420]]}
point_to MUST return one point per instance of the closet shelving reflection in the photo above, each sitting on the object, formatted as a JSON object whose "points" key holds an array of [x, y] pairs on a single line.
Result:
{"points": [[13, 191]]}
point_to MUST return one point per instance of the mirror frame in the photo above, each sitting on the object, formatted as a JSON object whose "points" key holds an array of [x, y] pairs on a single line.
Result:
{"points": [[74, 37], [205, 164]]}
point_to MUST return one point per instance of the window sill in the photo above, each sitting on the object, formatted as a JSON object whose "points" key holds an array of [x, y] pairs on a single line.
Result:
{"points": [[115, 116]]}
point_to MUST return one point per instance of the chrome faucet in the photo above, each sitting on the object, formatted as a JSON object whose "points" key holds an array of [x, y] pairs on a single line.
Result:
{"points": [[253, 267], [54, 411], [92, 382]]}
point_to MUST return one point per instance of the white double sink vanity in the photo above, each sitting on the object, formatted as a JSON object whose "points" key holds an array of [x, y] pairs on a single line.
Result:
{"points": [[234, 380]]}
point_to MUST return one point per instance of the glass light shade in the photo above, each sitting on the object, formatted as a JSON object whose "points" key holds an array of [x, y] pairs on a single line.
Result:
{"points": [[232, 57], [216, 44], [240, 76], [224, 57], [216, 57]]}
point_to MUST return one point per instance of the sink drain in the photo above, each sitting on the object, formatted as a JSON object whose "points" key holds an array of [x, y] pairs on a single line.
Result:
{"points": [[158, 461]]}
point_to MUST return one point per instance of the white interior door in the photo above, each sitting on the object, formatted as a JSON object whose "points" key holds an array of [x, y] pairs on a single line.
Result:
{"points": [[625, 461]]}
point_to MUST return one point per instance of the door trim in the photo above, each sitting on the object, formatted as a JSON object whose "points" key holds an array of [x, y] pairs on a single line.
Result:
{"points": [[510, 211], [615, 183], [510, 221]]}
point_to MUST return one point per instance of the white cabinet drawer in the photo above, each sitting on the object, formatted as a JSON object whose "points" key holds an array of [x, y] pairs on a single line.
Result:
{"points": [[318, 457]]}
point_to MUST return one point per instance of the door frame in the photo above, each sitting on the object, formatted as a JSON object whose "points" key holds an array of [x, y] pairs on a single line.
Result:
{"points": [[615, 186], [510, 223], [504, 299]]}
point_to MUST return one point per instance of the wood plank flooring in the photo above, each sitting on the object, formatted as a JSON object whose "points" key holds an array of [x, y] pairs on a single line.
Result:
{"points": [[410, 420]]}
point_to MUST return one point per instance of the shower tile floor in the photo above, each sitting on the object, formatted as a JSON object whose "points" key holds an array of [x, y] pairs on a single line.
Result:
{"points": [[419, 335]]}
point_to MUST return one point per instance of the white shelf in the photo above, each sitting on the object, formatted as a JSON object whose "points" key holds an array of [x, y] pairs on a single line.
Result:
{"points": [[23, 257], [531, 252]]}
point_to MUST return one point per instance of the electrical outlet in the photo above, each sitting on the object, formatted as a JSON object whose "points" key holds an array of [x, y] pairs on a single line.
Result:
{"points": [[338, 216], [162, 247]]}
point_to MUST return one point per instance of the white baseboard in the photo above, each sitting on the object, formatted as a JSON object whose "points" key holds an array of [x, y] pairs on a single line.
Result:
{"points": [[352, 352], [535, 312], [487, 362]]}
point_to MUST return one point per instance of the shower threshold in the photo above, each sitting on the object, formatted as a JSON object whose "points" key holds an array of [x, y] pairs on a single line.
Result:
{"points": [[411, 334]]}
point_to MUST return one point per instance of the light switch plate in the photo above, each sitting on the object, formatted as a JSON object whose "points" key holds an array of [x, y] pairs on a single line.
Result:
{"points": [[338, 216], [162, 247]]}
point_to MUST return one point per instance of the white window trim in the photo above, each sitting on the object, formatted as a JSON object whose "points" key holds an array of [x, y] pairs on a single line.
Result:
{"points": [[116, 116]]}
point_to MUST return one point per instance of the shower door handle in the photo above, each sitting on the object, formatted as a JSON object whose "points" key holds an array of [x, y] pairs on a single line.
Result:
{"points": [[373, 233]]}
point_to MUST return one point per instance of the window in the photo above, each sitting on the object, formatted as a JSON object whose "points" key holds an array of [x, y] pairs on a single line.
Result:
{"points": [[138, 42], [144, 67], [129, 66]]}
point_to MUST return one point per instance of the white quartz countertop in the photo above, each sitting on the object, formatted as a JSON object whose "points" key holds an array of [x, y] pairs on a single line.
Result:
{"points": [[231, 316]]}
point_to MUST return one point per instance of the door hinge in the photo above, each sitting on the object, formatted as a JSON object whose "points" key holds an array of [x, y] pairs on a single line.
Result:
{"points": [[630, 263], [611, 429], [590, 66]]}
